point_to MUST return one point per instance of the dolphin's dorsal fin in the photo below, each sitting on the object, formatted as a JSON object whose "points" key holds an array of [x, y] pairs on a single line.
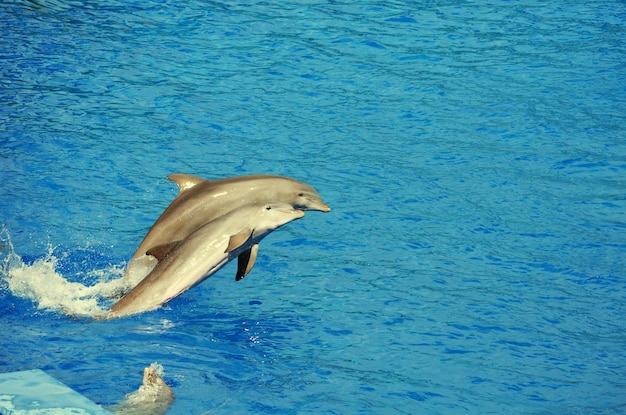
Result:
{"points": [[185, 181], [245, 261], [161, 251], [238, 239]]}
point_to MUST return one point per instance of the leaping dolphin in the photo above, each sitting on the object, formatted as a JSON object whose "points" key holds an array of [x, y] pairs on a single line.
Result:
{"points": [[201, 201], [187, 263]]}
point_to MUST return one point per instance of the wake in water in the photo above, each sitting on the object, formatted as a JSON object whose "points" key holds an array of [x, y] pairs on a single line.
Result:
{"points": [[43, 283]]}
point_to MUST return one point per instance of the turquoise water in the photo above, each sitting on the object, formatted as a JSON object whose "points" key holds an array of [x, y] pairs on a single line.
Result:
{"points": [[473, 154]]}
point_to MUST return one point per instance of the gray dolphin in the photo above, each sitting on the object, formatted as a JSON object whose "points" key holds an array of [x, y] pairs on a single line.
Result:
{"points": [[200, 201], [187, 263]]}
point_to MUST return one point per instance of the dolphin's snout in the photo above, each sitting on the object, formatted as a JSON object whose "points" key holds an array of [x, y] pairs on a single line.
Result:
{"points": [[317, 204]]}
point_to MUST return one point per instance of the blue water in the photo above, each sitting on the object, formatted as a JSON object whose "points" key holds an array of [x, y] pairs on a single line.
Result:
{"points": [[473, 154]]}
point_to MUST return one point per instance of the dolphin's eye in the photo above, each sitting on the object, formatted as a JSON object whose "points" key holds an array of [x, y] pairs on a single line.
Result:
{"points": [[268, 207], [301, 194]]}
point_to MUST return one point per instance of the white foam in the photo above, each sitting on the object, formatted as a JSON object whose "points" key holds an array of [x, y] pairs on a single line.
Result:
{"points": [[153, 397], [42, 283]]}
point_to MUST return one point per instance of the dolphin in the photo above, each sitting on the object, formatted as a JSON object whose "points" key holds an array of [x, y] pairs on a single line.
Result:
{"points": [[186, 263], [200, 201]]}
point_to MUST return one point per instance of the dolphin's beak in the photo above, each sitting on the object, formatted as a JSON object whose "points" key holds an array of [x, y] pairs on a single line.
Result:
{"points": [[318, 205], [296, 212]]}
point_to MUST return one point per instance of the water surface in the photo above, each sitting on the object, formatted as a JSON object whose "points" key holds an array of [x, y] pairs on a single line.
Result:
{"points": [[473, 155]]}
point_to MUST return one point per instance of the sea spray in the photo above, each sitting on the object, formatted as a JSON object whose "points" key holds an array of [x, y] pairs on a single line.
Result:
{"points": [[154, 397], [42, 282]]}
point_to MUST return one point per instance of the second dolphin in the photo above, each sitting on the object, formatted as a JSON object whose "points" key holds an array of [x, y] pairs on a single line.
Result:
{"points": [[184, 264]]}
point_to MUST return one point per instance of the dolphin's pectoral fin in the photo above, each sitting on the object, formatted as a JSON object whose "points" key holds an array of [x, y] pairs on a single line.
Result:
{"points": [[245, 262], [185, 181], [161, 251], [238, 239]]}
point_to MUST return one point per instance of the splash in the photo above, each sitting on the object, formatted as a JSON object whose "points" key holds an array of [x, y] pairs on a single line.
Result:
{"points": [[154, 396], [43, 283]]}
